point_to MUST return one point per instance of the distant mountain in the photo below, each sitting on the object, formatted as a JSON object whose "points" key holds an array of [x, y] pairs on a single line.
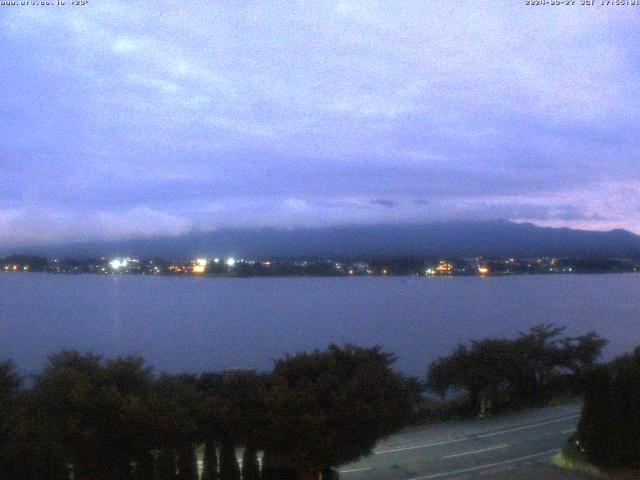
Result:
{"points": [[464, 239]]}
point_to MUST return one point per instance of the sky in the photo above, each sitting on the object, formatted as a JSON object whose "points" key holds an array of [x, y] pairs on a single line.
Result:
{"points": [[124, 119]]}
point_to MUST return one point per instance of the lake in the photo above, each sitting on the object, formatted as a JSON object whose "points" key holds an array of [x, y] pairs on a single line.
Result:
{"points": [[194, 324]]}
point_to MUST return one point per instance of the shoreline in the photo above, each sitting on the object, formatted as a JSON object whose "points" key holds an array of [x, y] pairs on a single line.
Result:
{"points": [[294, 275]]}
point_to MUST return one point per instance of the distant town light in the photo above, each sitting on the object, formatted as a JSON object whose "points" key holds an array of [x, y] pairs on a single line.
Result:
{"points": [[116, 263], [230, 262], [201, 262], [444, 267], [483, 270], [216, 260]]}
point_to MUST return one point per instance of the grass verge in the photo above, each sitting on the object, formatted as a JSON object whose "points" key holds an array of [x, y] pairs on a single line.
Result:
{"points": [[570, 459]]}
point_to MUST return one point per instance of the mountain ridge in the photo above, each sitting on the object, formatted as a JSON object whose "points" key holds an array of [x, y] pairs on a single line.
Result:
{"points": [[496, 238]]}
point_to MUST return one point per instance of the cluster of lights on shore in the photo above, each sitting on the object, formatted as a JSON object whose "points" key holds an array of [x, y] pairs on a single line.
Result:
{"points": [[248, 266], [199, 265], [117, 264], [15, 268], [446, 268]]}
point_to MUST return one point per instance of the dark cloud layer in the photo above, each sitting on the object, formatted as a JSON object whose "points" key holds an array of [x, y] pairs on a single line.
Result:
{"points": [[124, 119]]}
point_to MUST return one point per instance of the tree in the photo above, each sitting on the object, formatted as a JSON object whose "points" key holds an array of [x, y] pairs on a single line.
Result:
{"points": [[210, 462], [165, 464], [127, 383], [449, 372], [9, 387], [625, 409], [483, 370], [175, 406], [91, 415], [234, 416], [330, 407], [542, 356], [546, 357], [583, 351], [10, 384], [250, 468], [210, 422], [187, 469], [581, 354], [229, 469], [593, 428], [611, 413], [68, 412], [526, 370], [633, 421]]}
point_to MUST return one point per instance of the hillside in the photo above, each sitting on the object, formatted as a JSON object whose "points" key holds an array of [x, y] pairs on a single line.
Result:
{"points": [[490, 239]]}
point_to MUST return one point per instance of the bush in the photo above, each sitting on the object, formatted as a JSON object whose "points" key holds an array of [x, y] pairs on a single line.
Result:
{"points": [[499, 374], [610, 419]]}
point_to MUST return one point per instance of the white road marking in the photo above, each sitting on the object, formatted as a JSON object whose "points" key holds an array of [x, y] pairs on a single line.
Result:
{"points": [[516, 429], [455, 455], [489, 465], [353, 470], [415, 447], [486, 435]]}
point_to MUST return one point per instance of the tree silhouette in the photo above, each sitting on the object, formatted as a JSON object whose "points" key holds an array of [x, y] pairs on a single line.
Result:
{"points": [[94, 419], [210, 462], [330, 407], [229, 469], [10, 384], [250, 468], [595, 420], [524, 371], [175, 409], [610, 417]]}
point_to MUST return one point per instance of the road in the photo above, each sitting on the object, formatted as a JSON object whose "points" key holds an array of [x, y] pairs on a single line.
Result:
{"points": [[518, 446]]}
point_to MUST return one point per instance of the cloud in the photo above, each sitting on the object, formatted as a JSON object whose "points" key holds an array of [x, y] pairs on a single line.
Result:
{"points": [[335, 111], [36, 225]]}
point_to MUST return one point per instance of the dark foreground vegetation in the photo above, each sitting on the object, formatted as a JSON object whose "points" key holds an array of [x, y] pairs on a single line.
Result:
{"points": [[498, 374], [88, 418], [609, 430]]}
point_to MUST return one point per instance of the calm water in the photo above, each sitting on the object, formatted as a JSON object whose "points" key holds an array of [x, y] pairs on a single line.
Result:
{"points": [[193, 324]]}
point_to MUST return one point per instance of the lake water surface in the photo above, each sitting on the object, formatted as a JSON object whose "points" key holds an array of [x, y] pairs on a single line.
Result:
{"points": [[195, 324]]}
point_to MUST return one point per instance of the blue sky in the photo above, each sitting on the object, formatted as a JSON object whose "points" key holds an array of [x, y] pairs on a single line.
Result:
{"points": [[123, 119]]}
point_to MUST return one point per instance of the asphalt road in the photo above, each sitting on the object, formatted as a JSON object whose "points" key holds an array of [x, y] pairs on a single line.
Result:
{"points": [[518, 446]]}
